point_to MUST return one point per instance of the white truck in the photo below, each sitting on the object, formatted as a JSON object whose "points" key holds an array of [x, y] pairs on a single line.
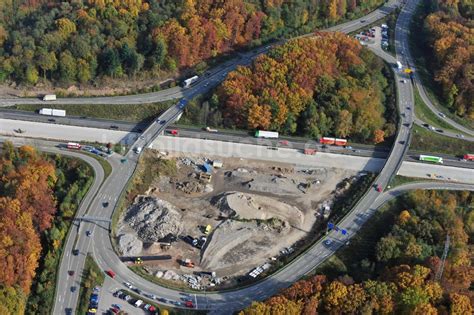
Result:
{"points": [[399, 65], [187, 83], [266, 134], [49, 97], [52, 112]]}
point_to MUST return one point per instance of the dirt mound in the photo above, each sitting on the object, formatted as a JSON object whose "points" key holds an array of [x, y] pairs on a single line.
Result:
{"points": [[254, 207], [153, 218], [130, 245]]}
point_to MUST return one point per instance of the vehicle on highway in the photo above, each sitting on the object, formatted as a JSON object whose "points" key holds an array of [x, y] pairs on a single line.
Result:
{"points": [[399, 65], [284, 142], [51, 120], [105, 204], [440, 130], [19, 130], [162, 122], [52, 112], [137, 150], [362, 21], [442, 115], [68, 311], [75, 252], [114, 127], [137, 290], [209, 129], [468, 157], [430, 158], [266, 134], [88, 233], [188, 82], [128, 285], [49, 97], [73, 145], [110, 273], [182, 103], [379, 188], [151, 296], [71, 272], [333, 141], [403, 81], [73, 289], [173, 132], [123, 160]]}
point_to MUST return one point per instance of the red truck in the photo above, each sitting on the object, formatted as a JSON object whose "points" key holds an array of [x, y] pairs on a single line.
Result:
{"points": [[468, 157], [173, 132], [334, 141]]}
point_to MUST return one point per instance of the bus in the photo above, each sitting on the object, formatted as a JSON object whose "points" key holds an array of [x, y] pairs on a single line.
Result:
{"points": [[433, 159], [266, 134], [73, 145], [334, 141]]}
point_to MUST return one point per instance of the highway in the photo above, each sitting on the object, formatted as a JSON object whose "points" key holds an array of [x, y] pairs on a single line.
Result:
{"points": [[224, 303], [99, 242]]}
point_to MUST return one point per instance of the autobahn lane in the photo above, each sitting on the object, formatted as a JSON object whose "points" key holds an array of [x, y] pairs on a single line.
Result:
{"points": [[205, 83], [223, 303]]}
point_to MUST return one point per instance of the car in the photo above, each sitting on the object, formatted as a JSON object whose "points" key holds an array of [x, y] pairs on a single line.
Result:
{"points": [[114, 310], [117, 293], [162, 122], [114, 127], [110, 273], [88, 233], [403, 81], [151, 296], [127, 298], [137, 290], [52, 120], [142, 137], [75, 252], [284, 142], [128, 285], [402, 142], [379, 188], [96, 290], [272, 148], [189, 304], [73, 289], [105, 204], [68, 311], [92, 311], [328, 242], [442, 115], [71, 272], [440, 130], [147, 307], [362, 21], [117, 306]]}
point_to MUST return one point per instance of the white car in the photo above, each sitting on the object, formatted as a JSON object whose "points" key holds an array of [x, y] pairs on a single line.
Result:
{"points": [[128, 285], [328, 242]]}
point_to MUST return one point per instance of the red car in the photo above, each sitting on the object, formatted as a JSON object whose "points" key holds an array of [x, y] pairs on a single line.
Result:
{"points": [[189, 304], [110, 273], [379, 188]]}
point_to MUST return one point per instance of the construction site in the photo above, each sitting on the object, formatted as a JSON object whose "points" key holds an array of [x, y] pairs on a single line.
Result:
{"points": [[219, 220]]}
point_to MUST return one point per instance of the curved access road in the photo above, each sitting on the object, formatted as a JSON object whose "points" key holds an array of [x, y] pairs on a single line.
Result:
{"points": [[64, 282], [402, 40], [206, 82], [403, 53]]}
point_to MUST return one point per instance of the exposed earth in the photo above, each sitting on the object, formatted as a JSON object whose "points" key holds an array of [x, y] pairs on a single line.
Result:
{"points": [[255, 214]]}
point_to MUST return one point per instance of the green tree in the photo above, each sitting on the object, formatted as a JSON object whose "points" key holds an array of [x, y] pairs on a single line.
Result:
{"points": [[67, 66]]}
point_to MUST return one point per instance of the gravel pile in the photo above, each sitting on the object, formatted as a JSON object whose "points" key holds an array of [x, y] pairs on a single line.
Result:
{"points": [[153, 218]]}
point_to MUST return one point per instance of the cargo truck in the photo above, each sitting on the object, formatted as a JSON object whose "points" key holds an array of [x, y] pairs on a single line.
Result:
{"points": [[52, 112], [333, 141], [73, 145], [187, 83], [49, 97], [468, 157], [266, 134]]}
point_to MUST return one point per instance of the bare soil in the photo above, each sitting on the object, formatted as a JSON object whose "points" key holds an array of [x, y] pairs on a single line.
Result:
{"points": [[257, 210]]}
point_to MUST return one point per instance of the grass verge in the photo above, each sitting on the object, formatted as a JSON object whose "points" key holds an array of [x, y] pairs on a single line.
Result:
{"points": [[424, 113], [132, 113], [399, 180], [91, 277], [427, 141]]}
